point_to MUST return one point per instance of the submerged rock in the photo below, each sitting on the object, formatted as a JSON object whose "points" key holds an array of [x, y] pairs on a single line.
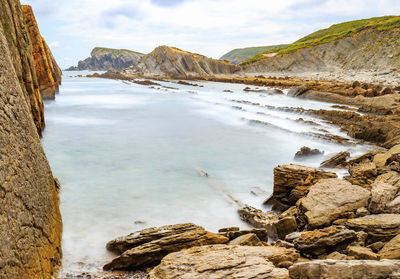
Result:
{"points": [[151, 253], [219, 262], [306, 152], [329, 199]]}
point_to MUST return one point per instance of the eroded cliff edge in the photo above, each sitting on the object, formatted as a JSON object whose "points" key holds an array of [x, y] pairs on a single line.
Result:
{"points": [[30, 220]]}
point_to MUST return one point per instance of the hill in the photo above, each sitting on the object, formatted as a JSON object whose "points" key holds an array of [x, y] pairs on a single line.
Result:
{"points": [[239, 55]]}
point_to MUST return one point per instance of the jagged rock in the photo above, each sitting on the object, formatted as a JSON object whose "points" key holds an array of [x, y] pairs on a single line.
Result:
{"points": [[247, 240], [288, 177], [306, 152], [381, 159], [361, 253], [363, 174], [285, 226], [366, 157], [343, 269], [380, 227], [322, 241], [335, 160], [328, 199], [284, 244], [259, 219], [336, 256], [151, 253], [219, 262], [233, 233], [384, 190], [121, 244], [376, 246], [391, 250]]}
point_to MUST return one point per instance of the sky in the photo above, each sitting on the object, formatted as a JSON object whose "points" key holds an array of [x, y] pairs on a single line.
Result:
{"points": [[72, 28]]}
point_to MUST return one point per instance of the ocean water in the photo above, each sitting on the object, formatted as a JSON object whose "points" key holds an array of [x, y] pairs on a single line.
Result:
{"points": [[130, 156]]}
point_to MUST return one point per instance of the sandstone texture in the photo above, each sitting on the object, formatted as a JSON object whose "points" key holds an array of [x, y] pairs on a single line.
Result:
{"points": [[47, 71], [173, 62], [219, 262], [30, 221], [391, 250], [328, 199], [152, 252], [333, 269], [105, 59]]}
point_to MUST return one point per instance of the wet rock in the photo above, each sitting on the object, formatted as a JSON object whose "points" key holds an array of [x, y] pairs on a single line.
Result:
{"points": [[297, 91], [306, 152], [288, 177], [219, 262], [391, 250], [151, 253], [247, 240], [361, 253], [322, 241], [336, 160], [121, 244], [384, 191], [331, 269], [329, 199], [380, 227]]}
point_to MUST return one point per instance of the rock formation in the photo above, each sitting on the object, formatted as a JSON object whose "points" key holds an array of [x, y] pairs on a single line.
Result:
{"points": [[173, 62], [105, 59], [30, 221], [47, 71]]}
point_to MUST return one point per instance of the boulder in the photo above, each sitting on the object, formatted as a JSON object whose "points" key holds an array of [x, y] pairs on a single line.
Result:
{"points": [[329, 199], [288, 177], [233, 233], [322, 241], [151, 253], [297, 91], [219, 262], [391, 250], [361, 253], [306, 152], [380, 227], [335, 160], [259, 219], [247, 240], [285, 226], [381, 159], [343, 269], [363, 174], [121, 244], [384, 190]]}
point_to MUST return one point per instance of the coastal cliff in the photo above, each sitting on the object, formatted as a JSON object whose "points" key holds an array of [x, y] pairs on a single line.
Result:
{"points": [[173, 62], [104, 59], [30, 220], [47, 71]]}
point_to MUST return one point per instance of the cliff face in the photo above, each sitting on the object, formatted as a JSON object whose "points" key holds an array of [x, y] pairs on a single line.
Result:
{"points": [[173, 62], [30, 220], [104, 59], [369, 50], [47, 71]]}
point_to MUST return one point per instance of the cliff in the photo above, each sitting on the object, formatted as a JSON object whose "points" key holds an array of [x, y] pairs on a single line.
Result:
{"points": [[104, 59], [239, 55], [371, 45], [173, 62], [30, 220], [47, 71]]}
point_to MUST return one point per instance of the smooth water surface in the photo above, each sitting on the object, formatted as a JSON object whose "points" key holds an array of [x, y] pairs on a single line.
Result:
{"points": [[130, 156]]}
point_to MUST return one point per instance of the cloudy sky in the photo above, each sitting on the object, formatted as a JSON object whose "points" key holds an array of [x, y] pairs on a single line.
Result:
{"points": [[210, 27]]}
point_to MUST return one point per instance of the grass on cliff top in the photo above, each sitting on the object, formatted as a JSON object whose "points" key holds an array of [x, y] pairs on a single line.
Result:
{"points": [[239, 55], [112, 50], [332, 33]]}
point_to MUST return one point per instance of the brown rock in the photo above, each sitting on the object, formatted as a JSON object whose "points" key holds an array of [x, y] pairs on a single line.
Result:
{"points": [[219, 262], [380, 227], [376, 246], [247, 240], [335, 160], [262, 234], [384, 191], [361, 253], [322, 241], [259, 219], [336, 256], [151, 253], [306, 152], [391, 250], [343, 269], [121, 244], [363, 174], [328, 199], [285, 226]]}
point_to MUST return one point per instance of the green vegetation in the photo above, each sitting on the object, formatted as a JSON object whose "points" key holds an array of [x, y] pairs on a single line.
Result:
{"points": [[332, 33], [97, 50], [241, 54]]}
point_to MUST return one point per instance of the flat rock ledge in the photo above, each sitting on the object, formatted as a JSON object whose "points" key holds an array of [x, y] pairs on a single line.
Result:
{"points": [[219, 262]]}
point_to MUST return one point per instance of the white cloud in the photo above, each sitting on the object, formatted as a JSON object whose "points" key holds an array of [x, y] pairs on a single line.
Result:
{"points": [[54, 44], [210, 27]]}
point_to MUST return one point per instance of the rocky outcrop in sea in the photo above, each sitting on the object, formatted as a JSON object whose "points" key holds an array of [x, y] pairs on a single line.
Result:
{"points": [[30, 220]]}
